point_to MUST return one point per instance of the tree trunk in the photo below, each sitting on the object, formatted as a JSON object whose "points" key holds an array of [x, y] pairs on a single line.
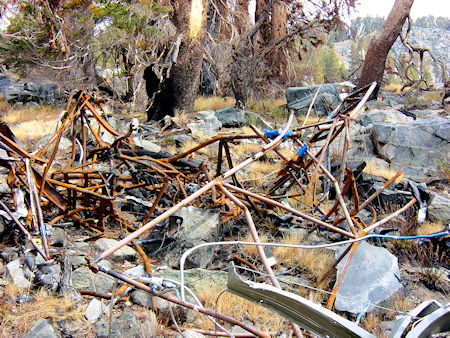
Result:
{"points": [[189, 17], [381, 43]]}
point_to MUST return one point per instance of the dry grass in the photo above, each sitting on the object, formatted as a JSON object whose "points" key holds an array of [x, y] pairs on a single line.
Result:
{"points": [[428, 228], [239, 308], [394, 88], [17, 319], [29, 124], [273, 107], [311, 119], [315, 261], [260, 172], [4, 106], [32, 130], [372, 323], [42, 113], [181, 117], [213, 103], [387, 173], [243, 149]]}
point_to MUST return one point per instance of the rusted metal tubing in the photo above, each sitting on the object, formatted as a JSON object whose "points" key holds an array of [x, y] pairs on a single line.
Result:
{"points": [[260, 249], [331, 269], [391, 216], [376, 193], [177, 301], [158, 198], [195, 195], [77, 188], [36, 207], [337, 188], [25, 231], [104, 124], [144, 256], [324, 151], [337, 285], [292, 210], [223, 334]]}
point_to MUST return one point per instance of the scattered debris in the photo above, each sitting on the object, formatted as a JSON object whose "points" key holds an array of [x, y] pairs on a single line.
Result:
{"points": [[134, 201]]}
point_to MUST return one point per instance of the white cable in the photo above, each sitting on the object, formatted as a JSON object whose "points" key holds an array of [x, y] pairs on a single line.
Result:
{"points": [[299, 246]]}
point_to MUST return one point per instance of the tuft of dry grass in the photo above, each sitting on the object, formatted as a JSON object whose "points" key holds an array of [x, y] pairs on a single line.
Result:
{"points": [[260, 172], [394, 88], [372, 323], [239, 308], [311, 119], [17, 318], [315, 261], [4, 106], [181, 117], [213, 103], [273, 107], [428, 228], [373, 169], [243, 149]]}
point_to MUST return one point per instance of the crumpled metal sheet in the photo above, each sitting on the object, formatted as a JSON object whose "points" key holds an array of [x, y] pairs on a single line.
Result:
{"points": [[297, 309]]}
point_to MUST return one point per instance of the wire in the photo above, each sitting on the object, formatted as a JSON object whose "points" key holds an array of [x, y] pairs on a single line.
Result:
{"points": [[299, 246], [192, 294], [324, 291]]}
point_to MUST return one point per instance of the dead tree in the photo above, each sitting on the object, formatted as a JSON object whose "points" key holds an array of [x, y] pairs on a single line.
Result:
{"points": [[381, 43]]}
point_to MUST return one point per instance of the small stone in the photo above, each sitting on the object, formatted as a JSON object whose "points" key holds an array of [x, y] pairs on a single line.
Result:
{"points": [[57, 237], [231, 117], [147, 145], [141, 298], [78, 261], [84, 279], [42, 329], [124, 253], [94, 310], [124, 326], [15, 271], [149, 327], [10, 254]]}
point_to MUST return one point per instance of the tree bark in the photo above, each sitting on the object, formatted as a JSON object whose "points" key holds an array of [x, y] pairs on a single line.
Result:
{"points": [[381, 43], [186, 71]]}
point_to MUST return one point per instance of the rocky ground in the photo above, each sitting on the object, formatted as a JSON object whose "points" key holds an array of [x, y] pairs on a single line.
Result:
{"points": [[64, 297]]}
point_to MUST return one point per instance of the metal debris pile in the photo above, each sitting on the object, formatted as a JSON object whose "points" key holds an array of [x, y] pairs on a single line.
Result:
{"points": [[97, 177]]}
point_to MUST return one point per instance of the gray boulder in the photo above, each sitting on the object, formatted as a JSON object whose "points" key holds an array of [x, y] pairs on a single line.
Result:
{"points": [[16, 91], [42, 328], [124, 326], [439, 208], [15, 270], [417, 147], [124, 253], [372, 276], [231, 117], [300, 98], [208, 126], [84, 279], [197, 226]]}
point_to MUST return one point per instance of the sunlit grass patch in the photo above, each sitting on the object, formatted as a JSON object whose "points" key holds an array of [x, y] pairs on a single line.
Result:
{"points": [[43, 113], [428, 228], [17, 318], [239, 308], [373, 169], [213, 103]]}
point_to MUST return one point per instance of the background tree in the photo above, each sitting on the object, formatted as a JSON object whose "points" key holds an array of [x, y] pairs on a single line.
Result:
{"points": [[381, 43]]}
